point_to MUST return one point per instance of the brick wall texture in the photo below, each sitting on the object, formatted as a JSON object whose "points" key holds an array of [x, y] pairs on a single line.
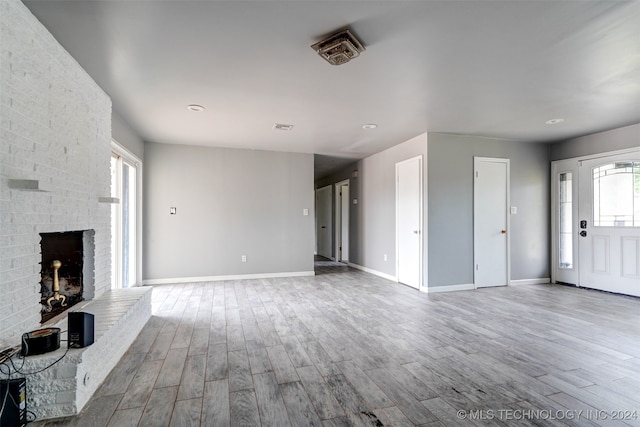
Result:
{"points": [[55, 127]]}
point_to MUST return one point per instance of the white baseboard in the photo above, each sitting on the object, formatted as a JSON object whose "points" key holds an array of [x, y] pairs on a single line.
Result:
{"points": [[228, 277], [452, 288], [540, 281], [374, 272]]}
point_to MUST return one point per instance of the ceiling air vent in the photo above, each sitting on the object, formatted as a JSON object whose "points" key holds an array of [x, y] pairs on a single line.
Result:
{"points": [[282, 126], [339, 48]]}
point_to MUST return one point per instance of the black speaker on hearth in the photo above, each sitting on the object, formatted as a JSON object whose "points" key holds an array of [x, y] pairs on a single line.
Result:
{"points": [[80, 328]]}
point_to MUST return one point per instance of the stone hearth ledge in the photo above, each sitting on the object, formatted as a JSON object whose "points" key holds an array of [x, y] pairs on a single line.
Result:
{"points": [[64, 389]]}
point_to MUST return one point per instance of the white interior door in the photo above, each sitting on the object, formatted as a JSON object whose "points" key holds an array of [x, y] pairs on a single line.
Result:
{"points": [[564, 191], [323, 221], [409, 221], [609, 223], [491, 222]]}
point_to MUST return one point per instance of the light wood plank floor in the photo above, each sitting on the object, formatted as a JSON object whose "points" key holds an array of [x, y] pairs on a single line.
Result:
{"points": [[345, 348]]}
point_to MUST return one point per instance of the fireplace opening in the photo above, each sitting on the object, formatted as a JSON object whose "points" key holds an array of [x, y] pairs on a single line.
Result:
{"points": [[64, 268]]}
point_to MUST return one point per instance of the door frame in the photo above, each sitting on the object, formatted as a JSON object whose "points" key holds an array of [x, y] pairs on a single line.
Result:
{"points": [[476, 243], [558, 167], [124, 155], [421, 220], [339, 220], [330, 225], [554, 201]]}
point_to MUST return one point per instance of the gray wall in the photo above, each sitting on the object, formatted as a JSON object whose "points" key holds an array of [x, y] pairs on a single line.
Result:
{"points": [[125, 136], [229, 202], [376, 209], [617, 139], [450, 193]]}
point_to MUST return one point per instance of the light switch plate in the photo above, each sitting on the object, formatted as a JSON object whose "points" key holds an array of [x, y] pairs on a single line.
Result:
{"points": [[514, 210], [172, 211]]}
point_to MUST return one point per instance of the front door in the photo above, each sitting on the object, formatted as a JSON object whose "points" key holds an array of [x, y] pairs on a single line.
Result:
{"points": [[609, 223], [491, 222]]}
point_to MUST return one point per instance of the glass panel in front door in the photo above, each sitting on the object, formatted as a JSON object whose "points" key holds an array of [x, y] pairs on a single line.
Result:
{"points": [[616, 195]]}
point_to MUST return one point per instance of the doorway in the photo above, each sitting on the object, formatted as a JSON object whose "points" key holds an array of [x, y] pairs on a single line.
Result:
{"points": [[409, 222], [600, 248], [342, 221], [323, 222], [491, 222]]}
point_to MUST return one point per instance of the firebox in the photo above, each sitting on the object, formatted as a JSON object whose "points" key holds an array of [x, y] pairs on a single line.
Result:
{"points": [[62, 271]]}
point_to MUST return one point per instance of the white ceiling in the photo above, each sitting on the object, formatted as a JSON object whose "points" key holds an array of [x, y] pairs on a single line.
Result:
{"points": [[489, 68]]}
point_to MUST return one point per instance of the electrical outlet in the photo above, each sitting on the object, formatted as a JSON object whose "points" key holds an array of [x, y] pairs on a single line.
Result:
{"points": [[385, 257], [172, 211], [244, 258]]}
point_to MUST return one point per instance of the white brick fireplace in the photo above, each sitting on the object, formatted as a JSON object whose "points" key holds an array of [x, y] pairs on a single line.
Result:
{"points": [[55, 136]]}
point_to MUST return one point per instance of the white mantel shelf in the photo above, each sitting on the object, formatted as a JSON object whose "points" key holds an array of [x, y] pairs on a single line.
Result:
{"points": [[27, 185], [112, 200]]}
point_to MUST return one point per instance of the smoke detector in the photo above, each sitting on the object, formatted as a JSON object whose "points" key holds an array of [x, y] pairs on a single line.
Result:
{"points": [[339, 48]]}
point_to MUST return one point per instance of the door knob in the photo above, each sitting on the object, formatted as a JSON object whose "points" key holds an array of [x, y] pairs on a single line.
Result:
{"points": [[503, 232], [583, 233], [416, 231]]}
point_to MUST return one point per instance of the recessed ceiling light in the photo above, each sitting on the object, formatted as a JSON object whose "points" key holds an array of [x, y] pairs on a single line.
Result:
{"points": [[282, 126], [195, 107], [369, 126], [554, 121]]}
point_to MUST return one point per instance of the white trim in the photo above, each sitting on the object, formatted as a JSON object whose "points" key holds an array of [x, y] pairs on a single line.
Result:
{"points": [[420, 214], [476, 248], [602, 155], [228, 277], [374, 272], [540, 281], [124, 152], [451, 288]]}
